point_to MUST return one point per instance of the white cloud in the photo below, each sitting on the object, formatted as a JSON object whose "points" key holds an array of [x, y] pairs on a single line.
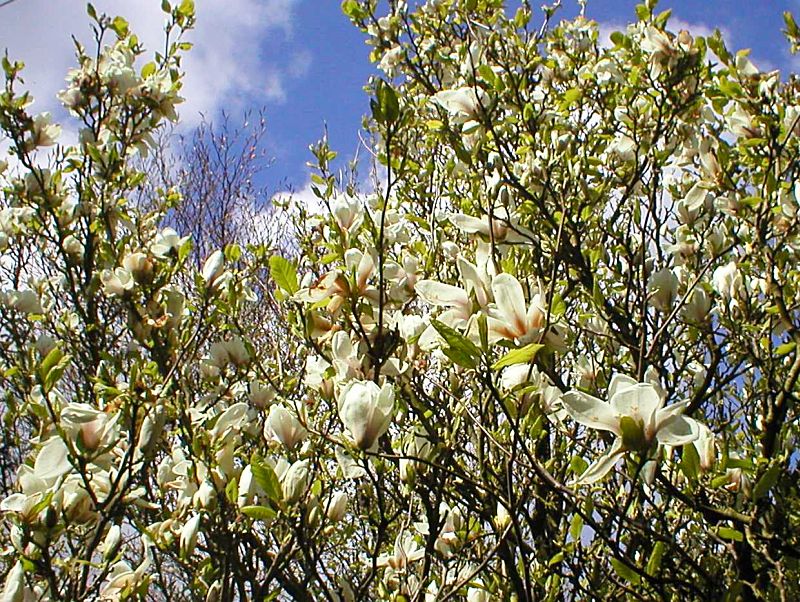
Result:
{"points": [[225, 69], [303, 196]]}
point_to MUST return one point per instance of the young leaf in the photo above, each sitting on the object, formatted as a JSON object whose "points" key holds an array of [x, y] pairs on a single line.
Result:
{"points": [[262, 513], [522, 355], [767, 481], [655, 558], [266, 478], [460, 349], [284, 274], [624, 571]]}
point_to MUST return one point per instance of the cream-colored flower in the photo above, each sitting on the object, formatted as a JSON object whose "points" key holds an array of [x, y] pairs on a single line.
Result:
{"points": [[636, 414], [366, 410]]}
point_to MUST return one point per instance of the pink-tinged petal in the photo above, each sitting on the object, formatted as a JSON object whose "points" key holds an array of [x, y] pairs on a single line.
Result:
{"points": [[365, 268], [640, 402], [499, 330], [678, 430], [602, 466], [618, 383], [438, 293], [591, 412], [706, 447], [510, 300]]}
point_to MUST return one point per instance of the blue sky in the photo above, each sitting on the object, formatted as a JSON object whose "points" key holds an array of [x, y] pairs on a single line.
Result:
{"points": [[306, 65]]}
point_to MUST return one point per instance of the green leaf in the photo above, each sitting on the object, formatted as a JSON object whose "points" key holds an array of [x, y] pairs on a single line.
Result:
{"points": [[120, 27], [260, 513], [523, 355], [460, 349], [625, 572], [730, 534], [232, 491], [690, 462], [576, 526], [266, 478], [53, 367], [717, 45], [186, 8], [767, 481], [571, 96], [284, 274], [791, 24], [488, 74], [50, 361], [785, 349], [388, 102], [352, 9], [655, 558]]}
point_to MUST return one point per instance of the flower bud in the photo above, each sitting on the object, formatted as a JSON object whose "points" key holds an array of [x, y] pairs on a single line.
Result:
{"points": [[294, 481], [337, 506], [189, 536]]}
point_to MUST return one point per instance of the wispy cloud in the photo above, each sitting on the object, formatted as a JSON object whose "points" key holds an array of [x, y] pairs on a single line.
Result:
{"points": [[227, 68]]}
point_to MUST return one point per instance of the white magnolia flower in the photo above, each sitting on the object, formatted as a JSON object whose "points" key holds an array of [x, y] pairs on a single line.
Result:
{"points": [[698, 307], [14, 587], [337, 506], [727, 281], [44, 132], [406, 551], [117, 282], [463, 104], [284, 427], [662, 286], [111, 542], [635, 413], [706, 448], [189, 535], [166, 242], [261, 395], [26, 301], [366, 411], [347, 212], [501, 226], [511, 318], [294, 481], [123, 577], [213, 267]]}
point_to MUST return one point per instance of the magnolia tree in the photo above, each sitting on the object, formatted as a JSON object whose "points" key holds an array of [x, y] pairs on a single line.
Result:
{"points": [[552, 354]]}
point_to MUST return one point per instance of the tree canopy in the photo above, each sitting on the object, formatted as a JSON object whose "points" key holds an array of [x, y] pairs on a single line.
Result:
{"points": [[550, 352]]}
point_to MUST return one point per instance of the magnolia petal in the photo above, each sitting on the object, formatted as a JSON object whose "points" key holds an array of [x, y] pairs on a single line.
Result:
{"points": [[469, 224], [678, 430], [473, 280], [618, 383], [591, 412], [640, 402], [602, 466], [212, 268], [438, 293], [341, 345], [510, 300], [53, 460], [668, 412]]}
